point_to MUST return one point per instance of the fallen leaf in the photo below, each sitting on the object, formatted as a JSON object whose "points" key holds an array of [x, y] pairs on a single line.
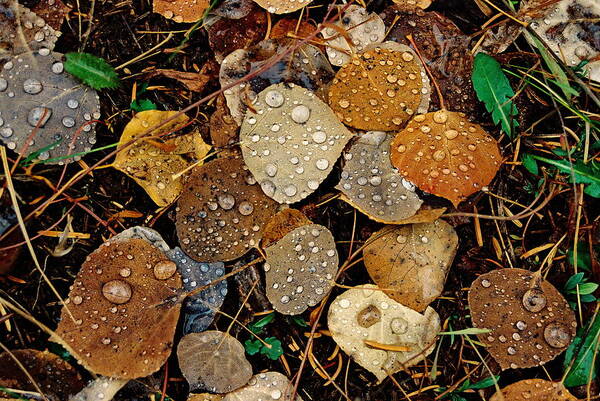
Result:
{"points": [[412, 4], [411, 262], [291, 141], [356, 29], [52, 11], [281, 224], [282, 6], [181, 10], [291, 27], [153, 162], [366, 313], [268, 386], [446, 155], [234, 9], [371, 184], [194, 81], [205, 397], [534, 389], [300, 268], [222, 211], [530, 321], [213, 360], [223, 128], [379, 89]]}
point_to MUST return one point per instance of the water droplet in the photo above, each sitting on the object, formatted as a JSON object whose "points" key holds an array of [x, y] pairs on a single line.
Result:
{"points": [[164, 269], [226, 201], [274, 98], [32, 86], [245, 208], [271, 170], [39, 116], [485, 283], [368, 316], [68, 122], [557, 335], [117, 291], [534, 300], [399, 325], [322, 164], [300, 114]]}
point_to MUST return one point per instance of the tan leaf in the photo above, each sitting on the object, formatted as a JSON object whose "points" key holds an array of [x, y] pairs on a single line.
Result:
{"points": [[213, 360], [282, 6], [534, 389], [366, 313], [446, 155], [222, 211], [530, 321], [268, 386], [411, 262], [413, 4], [205, 397], [281, 224], [300, 268], [379, 89], [152, 162], [223, 128], [194, 81], [181, 10]]}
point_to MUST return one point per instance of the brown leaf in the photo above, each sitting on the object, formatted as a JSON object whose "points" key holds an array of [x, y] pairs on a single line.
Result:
{"points": [[194, 81], [446, 155], [534, 389], [411, 262], [223, 128], [282, 6], [290, 27], [52, 11], [181, 10], [281, 224]]}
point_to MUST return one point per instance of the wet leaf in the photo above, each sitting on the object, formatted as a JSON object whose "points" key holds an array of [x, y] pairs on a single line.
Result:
{"points": [[371, 184], [213, 360], [534, 389], [181, 10], [579, 173], [273, 348], [268, 386], [584, 349], [222, 211], [199, 309], [205, 397], [52, 11], [379, 89], [446, 155], [114, 300], [494, 90], [194, 81], [291, 27], [227, 35], [281, 224], [152, 162], [306, 66], [539, 327], [300, 268], [223, 128], [91, 70], [282, 6], [411, 262], [366, 313], [356, 30], [291, 141]]}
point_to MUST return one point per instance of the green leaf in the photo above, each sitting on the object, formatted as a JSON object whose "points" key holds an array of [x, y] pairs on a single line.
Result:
{"points": [[580, 173], [584, 260], [573, 281], [142, 105], [299, 321], [485, 383], [274, 350], [472, 330], [37, 153], [252, 346], [494, 90], [258, 326], [529, 163], [587, 288], [583, 349], [91, 70]]}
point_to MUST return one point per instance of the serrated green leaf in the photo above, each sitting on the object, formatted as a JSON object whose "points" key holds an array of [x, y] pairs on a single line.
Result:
{"points": [[529, 163], [580, 173], [252, 346], [494, 90], [91, 70], [583, 349], [274, 350]]}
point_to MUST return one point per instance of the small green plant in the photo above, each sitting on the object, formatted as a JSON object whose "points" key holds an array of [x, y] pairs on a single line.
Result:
{"points": [[586, 290], [580, 364], [142, 104], [91, 70], [270, 346], [467, 387], [494, 90]]}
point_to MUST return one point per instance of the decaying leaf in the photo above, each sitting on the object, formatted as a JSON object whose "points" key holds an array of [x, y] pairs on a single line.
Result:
{"points": [[306, 66], [55, 106], [281, 224], [145, 233], [205, 397], [213, 360], [268, 386], [152, 162], [181, 10], [569, 28], [445, 50], [370, 183], [200, 309], [222, 211], [300, 268], [223, 128], [234, 9], [227, 35], [52, 11], [194, 81], [121, 290], [412, 4], [530, 321], [379, 89], [291, 141], [446, 155], [356, 30], [365, 313], [291, 27], [534, 389], [22, 30], [101, 388], [55, 377], [282, 6], [412, 261]]}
